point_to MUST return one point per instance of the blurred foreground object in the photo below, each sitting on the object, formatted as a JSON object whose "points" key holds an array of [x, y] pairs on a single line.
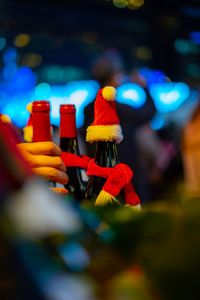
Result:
{"points": [[191, 155], [129, 284], [31, 208], [161, 248], [169, 250], [29, 214]]}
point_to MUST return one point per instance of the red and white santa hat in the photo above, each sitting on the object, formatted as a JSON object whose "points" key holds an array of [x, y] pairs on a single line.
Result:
{"points": [[106, 126]]}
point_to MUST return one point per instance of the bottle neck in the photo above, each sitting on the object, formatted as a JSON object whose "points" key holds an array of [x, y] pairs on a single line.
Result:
{"points": [[106, 154], [69, 145], [68, 125], [68, 132], [41, 126]]}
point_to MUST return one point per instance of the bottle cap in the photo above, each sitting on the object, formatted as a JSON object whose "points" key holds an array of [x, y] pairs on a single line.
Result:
{"points": [[67, 109], [41, 105], [68, 121], [41, 121]]}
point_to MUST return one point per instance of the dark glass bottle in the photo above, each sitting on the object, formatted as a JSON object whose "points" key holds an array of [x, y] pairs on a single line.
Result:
{"points": [[69, 143], [105, 156]]}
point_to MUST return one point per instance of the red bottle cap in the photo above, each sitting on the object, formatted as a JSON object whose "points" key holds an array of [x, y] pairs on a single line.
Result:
{"points": [[41, 105], [41, 121], [68, 121], [67, 109]]}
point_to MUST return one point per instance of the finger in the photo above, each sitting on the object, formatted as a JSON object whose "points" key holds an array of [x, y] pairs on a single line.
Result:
{"points": [[46, 161], [61, 191], [52, 174], [43, 148], [37, 160]]}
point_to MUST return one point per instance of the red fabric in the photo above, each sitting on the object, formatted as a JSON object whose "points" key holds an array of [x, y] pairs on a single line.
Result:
{"points": [[104, 111], [131, 197], [72, 160], [118, 177], [95, 170]]}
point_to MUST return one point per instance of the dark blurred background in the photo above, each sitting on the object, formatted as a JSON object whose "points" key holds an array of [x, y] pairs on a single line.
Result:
{"points": [[73, 32]]}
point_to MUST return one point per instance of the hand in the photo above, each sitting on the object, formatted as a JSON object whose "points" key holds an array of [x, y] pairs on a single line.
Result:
{"points": [[60, 191], [45, 160]]}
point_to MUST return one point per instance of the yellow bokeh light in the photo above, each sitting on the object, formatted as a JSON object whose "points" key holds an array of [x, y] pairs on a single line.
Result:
{"points": [[144, 53], [135, 4], [32, 60], [22, 40], [120, 3], [90, 37]]}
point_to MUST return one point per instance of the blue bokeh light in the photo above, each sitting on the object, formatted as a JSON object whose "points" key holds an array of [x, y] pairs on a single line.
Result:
{"points": [[9, 71], [169, 96], [24, 80], [79, 93], [195, 37], [2, 43], [42, 91], [17, 113], [75, 256], [153, 76], [16, 89], [10, 55], [131, 94], [157, 122]]}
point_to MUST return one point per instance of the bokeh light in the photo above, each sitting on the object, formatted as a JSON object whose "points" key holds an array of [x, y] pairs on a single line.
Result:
{"points": [[32, 60], [135, 4], [9, 71], [120, 3], [144, 53], [2, 43], [42, 91], [157, 122], [153, 76], [169, 96], [185, 46], [9, 55], [193, 69], [195, 37], [22, 40], [131, 94]]}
